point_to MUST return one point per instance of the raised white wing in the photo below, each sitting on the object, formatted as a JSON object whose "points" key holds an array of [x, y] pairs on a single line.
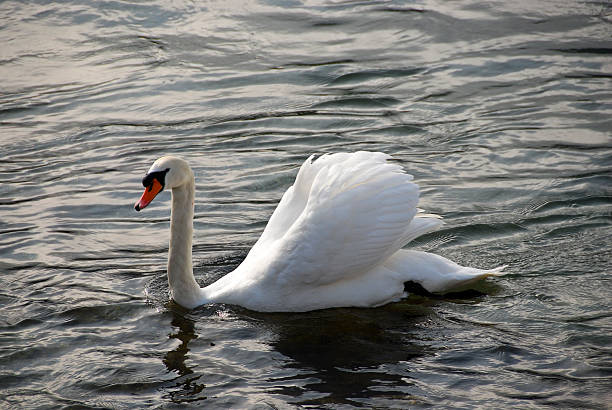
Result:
{"points": [[344, 215]]}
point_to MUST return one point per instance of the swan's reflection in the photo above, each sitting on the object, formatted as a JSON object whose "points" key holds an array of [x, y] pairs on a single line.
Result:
{"points": [[341, 354], [187, 388], [175, 359], [331, 356]]}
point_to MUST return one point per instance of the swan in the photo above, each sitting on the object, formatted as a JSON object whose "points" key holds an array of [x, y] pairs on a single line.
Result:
{"points": [[334, 240]]}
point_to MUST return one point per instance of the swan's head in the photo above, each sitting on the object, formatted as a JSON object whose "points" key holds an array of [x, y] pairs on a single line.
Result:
{"points": [[167, 172]]}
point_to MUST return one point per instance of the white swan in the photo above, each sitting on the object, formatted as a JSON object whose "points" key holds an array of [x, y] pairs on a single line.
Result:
{"points": [[334, 239]]}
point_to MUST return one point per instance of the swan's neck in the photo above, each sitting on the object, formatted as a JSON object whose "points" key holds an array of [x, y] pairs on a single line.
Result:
{"points": [[183, 285]]}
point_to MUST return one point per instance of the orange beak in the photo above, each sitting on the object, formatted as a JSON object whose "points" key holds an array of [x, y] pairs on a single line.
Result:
{"points": [[150, 192]]}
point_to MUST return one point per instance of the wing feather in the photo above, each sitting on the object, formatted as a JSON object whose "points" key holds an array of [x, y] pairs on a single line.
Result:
{"points": [[344, 215]]}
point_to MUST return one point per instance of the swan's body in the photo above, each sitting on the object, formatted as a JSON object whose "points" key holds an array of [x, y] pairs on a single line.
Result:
{"points": [[334, 240]]}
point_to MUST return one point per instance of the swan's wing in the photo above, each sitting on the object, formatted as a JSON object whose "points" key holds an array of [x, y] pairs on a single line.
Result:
{"points": [[345, 214]]}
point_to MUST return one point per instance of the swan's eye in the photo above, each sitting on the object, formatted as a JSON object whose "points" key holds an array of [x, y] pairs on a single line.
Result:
{"points": [[160, 176]]}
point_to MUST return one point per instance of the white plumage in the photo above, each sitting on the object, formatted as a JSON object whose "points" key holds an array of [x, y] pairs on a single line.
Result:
{"points": [[334, 240]]}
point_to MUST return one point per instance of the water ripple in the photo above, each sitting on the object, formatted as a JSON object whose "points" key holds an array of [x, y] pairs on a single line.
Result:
{"points": [[501, 112]]}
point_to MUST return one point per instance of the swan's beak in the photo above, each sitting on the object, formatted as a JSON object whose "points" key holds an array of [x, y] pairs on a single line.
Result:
{"points": [[150, 192]]}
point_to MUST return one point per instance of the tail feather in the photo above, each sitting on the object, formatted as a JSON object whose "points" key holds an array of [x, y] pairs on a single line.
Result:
{"points": [[435, 273]]}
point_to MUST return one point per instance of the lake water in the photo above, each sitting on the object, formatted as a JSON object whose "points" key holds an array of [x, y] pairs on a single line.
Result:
{"points": [[501, 110]]}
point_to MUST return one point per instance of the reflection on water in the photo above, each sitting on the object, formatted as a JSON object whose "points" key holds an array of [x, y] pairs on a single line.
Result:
{"points": [[329, 356], [502, 112], [188, 386], [343, 353]]}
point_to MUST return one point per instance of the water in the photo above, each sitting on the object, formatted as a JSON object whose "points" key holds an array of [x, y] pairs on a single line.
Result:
{"points": [[501, 110]]}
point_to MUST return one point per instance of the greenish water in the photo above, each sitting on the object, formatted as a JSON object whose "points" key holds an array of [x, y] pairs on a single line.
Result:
{"points": [[502, 112]]}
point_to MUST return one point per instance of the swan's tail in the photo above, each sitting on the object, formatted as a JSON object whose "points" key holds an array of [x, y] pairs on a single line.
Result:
{"points": [[435, 273]]}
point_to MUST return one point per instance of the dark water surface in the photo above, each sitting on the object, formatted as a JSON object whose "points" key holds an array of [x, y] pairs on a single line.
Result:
{"points": [[501, 110]]}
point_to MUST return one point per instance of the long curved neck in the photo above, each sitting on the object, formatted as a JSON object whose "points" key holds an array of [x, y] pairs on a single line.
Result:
{"points": [[183, 286]]}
